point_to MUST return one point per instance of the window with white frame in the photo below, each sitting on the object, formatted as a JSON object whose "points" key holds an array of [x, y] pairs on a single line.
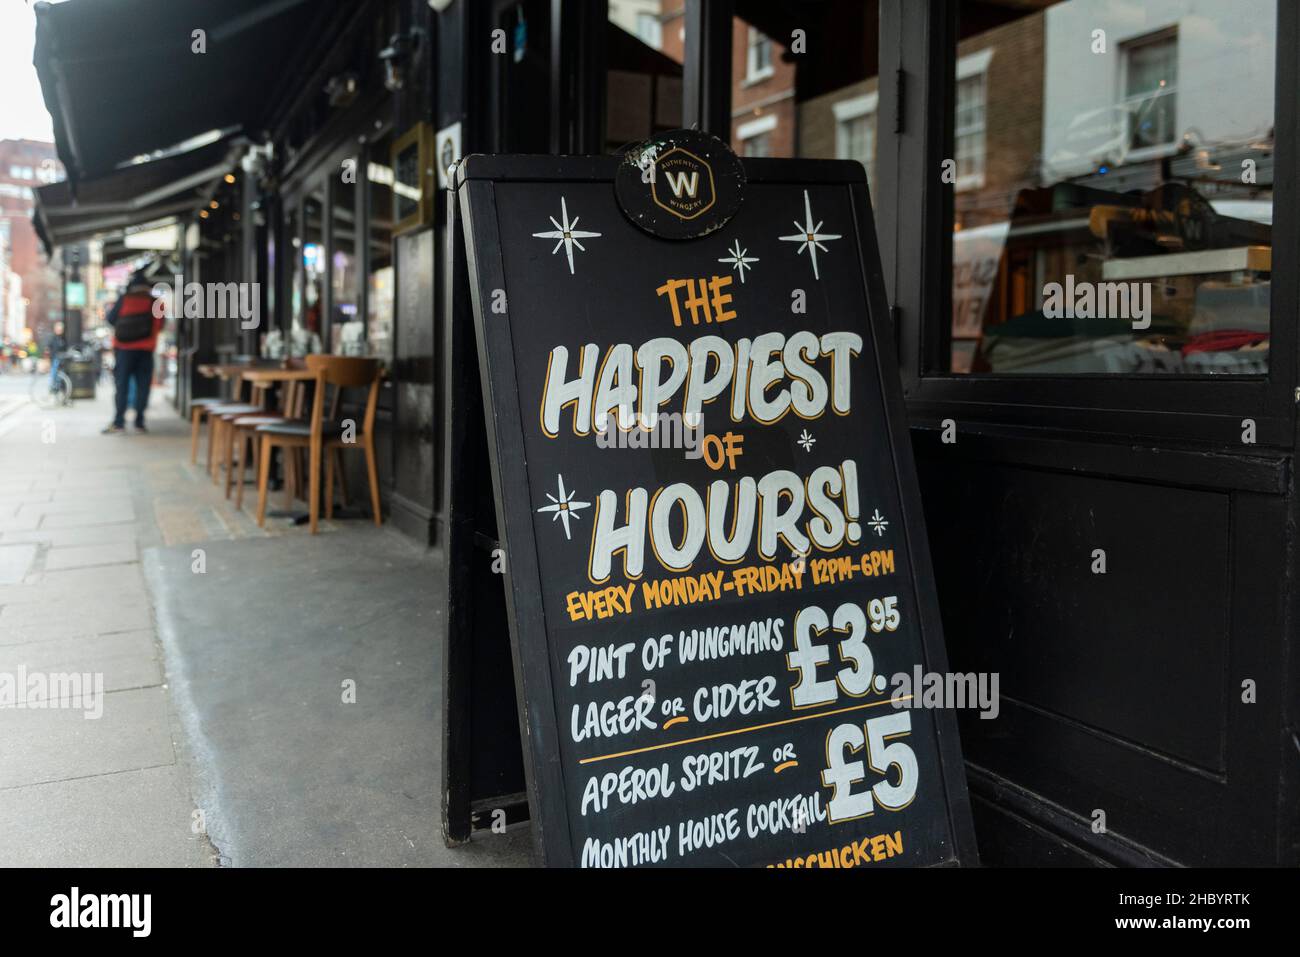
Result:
{"points": [[969, 141], [855, 130], [756, 136], [759, 145], [1150, 97], [758, 61], [650, 30]]}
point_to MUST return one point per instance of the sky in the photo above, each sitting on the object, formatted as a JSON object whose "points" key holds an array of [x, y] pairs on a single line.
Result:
{"points": [[22, 111]]}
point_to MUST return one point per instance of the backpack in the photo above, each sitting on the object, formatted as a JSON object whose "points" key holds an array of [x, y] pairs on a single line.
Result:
{"points": [[138, 324]]}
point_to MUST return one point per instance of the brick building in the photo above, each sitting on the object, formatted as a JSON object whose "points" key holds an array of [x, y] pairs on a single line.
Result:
{"points": [[24, 165]]}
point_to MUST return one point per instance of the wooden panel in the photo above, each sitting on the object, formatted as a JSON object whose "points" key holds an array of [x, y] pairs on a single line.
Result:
{"points": [[1120, 692], [1013, 556], [414, 459]]}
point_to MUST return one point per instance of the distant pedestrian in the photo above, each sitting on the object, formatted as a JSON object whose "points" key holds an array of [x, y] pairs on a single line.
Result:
{"points": [[135, 336], [56, 346]]}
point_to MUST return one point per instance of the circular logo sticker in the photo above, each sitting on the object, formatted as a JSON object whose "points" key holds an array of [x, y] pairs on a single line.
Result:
{"points": [[680, 185]]}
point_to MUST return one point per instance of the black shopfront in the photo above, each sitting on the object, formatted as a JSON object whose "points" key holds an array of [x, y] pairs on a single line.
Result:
{"points": [[1110, 500]]}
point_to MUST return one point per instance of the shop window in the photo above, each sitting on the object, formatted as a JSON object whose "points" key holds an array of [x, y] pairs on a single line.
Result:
{"points": [[380, 281], [271, 292], [275, 343], [1111, 214], [347, 330], [305, 333]]}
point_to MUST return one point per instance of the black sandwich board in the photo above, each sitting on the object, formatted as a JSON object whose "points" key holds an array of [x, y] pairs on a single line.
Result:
{"points": [[707, 613]]}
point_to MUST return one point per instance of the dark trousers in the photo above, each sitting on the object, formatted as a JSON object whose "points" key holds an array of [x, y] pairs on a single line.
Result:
{"points": [[132, 365]]}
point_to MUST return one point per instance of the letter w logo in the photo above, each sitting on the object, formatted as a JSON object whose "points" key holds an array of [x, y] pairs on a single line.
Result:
{"points": [[684, 182]]}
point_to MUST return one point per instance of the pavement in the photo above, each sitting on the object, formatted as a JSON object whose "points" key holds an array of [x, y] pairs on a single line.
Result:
{"points": [[226, 695]]}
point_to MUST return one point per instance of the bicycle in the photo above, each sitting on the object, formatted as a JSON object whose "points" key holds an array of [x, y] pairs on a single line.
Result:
{"points": [[54, 389]]}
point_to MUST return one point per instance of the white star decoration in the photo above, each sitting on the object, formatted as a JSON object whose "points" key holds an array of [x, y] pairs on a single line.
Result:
{"points": [[563, 507], [810, 237], [806, 440], [566, 233], [878, 523], [739, 261]]}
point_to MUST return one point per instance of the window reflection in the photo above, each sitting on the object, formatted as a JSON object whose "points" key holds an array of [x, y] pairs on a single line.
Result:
{"points": [[346, 329], [274, 344], [380, 295], [788, 102], [1112, 168], [644, 73], [305, 334]]}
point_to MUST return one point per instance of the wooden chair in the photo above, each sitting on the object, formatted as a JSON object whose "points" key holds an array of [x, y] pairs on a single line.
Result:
{"points": [[241, 429], [198, 413], [203, 410], [220, 435], [321, 434], [209, 412]]}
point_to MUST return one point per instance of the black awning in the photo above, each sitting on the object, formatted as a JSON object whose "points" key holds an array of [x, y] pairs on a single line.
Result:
{"points": [[121, 80], [141, 193]]}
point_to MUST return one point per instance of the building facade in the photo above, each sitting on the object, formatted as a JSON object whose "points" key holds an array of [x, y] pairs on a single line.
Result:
{"points": [[34, 298]]}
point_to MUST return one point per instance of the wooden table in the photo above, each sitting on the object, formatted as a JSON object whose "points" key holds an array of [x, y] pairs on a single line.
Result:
{"points": [[263, 375], [219, 370], [228, 372]]}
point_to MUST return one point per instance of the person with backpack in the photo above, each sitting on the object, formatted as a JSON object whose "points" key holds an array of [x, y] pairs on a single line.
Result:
{"points": [[136, 324]]}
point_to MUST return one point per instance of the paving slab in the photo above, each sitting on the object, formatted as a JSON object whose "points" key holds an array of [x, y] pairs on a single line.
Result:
{"points": [[87, 502], [86, 556], [19, 523], [141, 818], [54, 626], [65, 537], [15, 561], [83, 518], [77, 580], [126, 660], [52, 744]]}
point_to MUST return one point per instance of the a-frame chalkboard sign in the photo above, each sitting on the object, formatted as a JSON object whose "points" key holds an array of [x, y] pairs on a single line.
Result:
{"points": [[709, 610]]}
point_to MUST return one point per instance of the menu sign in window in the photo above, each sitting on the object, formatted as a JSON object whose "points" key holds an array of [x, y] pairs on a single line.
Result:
{"points": [[711, 542]]}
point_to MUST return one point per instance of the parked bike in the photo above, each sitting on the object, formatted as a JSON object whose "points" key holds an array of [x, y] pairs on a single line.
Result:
{"points": [[55, 388]]}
